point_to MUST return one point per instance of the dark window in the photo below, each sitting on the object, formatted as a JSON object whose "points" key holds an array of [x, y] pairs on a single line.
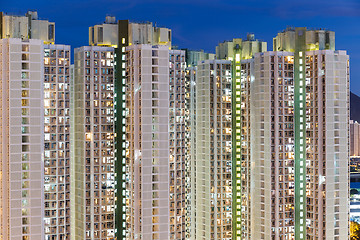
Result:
{"points": [[100, 35], [51, 32]]}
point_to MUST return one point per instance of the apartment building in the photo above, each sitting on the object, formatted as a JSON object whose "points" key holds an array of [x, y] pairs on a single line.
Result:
{"points": [[120, 34], [298, 108], [354, 138], [55, 61], [148, 153], [92, 165], [22, 139], [57, 141], [155, 129], [211, 192], [239, 50], [216, 217]]}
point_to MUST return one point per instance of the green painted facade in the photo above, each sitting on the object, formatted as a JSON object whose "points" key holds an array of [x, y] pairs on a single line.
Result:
{"points": [[120, 144], [236, 143], [300, 132]]}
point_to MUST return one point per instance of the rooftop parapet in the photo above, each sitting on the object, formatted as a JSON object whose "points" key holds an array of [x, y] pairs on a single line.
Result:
{"points": [[316, 39], [26, 27]]}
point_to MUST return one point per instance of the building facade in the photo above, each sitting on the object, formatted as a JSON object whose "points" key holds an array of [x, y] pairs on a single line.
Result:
{"points": [[236, 51], [22, 142], [57, 141], [297, 103], [211, 192], [92, 165], [155, 123], [147, 126], [177, 145], [126, 34], [354, 138], [55, 62]]}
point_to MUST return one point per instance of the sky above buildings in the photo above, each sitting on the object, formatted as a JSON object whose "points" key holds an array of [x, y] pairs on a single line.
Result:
{"points": [[202, 24]]}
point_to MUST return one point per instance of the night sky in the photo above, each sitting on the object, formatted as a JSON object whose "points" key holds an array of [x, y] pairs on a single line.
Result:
{"points": [[202, 24]]}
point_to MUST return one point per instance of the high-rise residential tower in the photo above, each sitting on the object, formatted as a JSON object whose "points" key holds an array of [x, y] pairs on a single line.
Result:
{"points": [[54, 68], [294, 155], [193, 58], [241, 129], [92, 164], [155, 123], [354, 138], [126, 34], [213, 201], [22, 139], [147, 164], [211, 192]]}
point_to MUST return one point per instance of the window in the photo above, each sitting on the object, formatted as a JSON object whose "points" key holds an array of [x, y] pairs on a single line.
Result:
{"points": [[25, 175], [100, 34], [24, 93], [51, 32], [154, 86], [25, 66], [25, 47], [24, 75], [25, 221], [25, 129], [24, 193]]}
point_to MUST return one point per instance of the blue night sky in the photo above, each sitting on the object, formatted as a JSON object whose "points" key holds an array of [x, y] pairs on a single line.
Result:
{"points": [[202, 24]]}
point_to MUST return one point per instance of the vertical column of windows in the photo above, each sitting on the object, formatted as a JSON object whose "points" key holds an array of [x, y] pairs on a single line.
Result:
{"points": [[104, 100], [177, 145], [87, 58], [25, 145], [244, 149], [99, 138], [190, 151], [120, 154], [300, 138], [224, 163], [238, 85], [214, 152], [130, 152], [155, 98], [283, 145]]}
